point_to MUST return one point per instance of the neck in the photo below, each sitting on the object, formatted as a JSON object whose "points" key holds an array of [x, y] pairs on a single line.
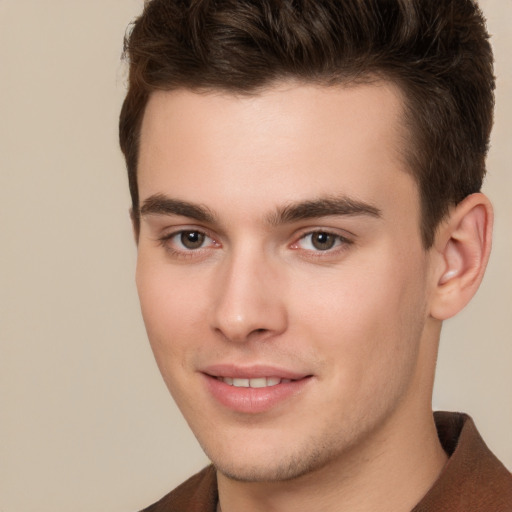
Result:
{"points": [[390, 473]]}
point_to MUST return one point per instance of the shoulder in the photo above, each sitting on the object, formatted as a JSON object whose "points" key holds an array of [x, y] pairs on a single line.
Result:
{"points": [[473, 478], [197, 494]]}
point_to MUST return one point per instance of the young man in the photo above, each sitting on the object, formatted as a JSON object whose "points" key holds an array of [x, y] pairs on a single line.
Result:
{"points": [[305, 179]]}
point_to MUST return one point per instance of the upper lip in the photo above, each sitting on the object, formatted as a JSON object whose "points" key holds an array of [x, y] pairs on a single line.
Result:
{"points": [[252, 372]]}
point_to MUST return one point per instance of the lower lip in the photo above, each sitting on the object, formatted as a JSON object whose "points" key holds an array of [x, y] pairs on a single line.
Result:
{"points": [[253, 400]]}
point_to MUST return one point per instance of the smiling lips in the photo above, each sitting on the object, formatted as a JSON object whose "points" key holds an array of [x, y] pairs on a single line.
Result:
{"points": [[259, 382], [255, 390]]}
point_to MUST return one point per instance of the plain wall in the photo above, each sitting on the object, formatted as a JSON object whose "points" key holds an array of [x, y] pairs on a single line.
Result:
{"points": [[86, 423]]}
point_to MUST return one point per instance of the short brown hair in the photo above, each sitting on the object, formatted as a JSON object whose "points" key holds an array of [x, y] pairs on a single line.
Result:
{"points": [[436, 51]]}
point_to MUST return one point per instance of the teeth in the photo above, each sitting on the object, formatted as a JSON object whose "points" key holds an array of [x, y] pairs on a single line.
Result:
{"points": [[260, 382], [241, 383]]}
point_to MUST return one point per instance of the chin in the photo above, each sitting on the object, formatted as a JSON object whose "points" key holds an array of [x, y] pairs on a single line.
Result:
{"points": [[275, 467], [256, 473]]}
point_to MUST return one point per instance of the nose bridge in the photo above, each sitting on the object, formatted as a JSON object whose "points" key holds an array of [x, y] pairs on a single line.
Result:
{"points": [[247, 300]]}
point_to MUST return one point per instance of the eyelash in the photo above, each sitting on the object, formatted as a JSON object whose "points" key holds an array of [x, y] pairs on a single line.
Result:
{"points": [[341, 243], [166, 242]]}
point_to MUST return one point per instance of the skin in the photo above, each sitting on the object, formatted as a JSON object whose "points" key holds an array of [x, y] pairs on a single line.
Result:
{"points": [[356, 318]]}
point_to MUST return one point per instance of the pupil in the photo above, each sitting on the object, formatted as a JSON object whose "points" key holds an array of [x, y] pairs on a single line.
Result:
{"points": [[192, 239], [323, 241]]}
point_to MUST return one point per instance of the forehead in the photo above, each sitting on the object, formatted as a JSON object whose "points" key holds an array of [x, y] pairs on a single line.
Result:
{"points": [[287, 143]]}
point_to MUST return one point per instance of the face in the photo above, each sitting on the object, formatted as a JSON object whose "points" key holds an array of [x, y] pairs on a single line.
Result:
{"points": [[281, 273]]}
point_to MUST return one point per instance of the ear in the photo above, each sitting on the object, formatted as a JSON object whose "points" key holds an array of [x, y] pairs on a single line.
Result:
{"points": [[135, 226], [462, 247]]}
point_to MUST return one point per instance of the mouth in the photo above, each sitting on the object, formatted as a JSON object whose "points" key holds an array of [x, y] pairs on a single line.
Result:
{"points": [[254, 390], [258, 382]]}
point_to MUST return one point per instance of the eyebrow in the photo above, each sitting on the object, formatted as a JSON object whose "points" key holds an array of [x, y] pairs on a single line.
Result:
{"points": [[159, 204], [322, 207]]}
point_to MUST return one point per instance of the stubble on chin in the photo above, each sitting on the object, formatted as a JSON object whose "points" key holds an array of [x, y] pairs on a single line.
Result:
{"points": [[283, 468]]}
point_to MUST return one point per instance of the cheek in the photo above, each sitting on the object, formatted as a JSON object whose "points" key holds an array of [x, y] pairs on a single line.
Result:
{"points": [[368, 320], [171, 309]]}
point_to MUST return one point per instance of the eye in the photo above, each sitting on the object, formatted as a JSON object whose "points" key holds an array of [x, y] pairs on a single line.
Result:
{"points": [[187, 240], [320, 241], [190, 239]]}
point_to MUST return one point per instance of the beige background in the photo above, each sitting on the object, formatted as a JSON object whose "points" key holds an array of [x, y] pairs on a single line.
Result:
{"points": [[85, 421]]}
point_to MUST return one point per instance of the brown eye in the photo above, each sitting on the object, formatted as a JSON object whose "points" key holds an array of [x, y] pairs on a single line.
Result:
{"points": [[192, 239], [318, 242], [323, 241]]}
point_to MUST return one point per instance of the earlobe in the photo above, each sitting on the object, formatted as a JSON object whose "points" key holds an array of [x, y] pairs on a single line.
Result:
{"points": [[463, 245]]}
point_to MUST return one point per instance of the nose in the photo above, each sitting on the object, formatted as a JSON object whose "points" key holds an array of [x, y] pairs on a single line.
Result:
{"points": [[248, 300]]}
